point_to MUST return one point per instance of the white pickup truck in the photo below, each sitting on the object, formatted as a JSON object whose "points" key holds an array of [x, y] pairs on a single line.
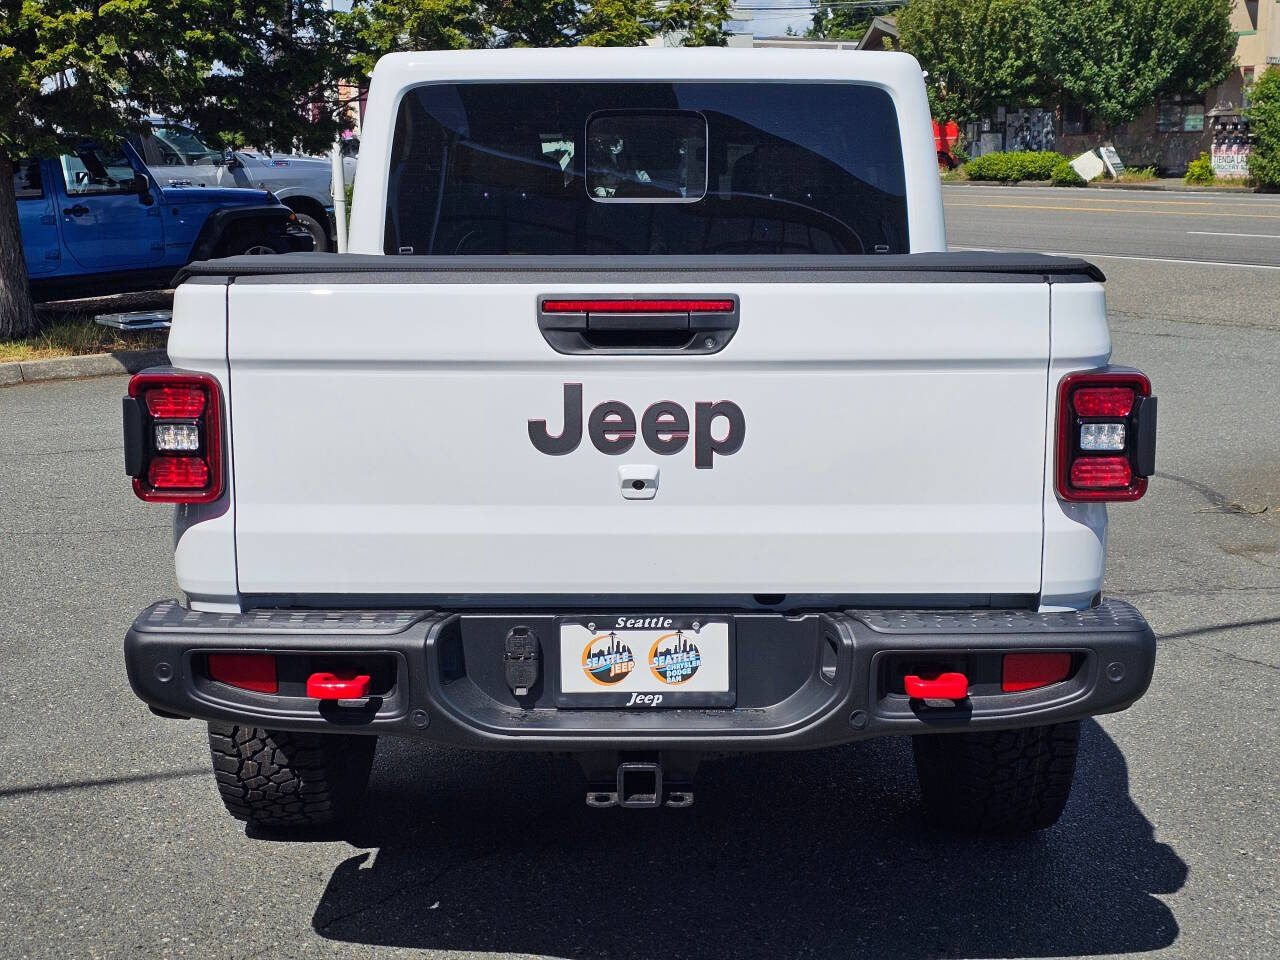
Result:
{"points": [[650, 419]]}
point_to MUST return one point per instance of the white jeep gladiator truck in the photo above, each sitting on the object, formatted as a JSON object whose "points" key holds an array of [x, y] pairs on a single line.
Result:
{"points": [[649, 420]]}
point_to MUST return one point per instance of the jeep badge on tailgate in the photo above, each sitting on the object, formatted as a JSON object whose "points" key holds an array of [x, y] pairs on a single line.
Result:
{"points": [[664, 426]]}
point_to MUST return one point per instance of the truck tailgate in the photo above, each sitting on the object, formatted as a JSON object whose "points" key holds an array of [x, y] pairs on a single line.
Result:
{"points": [[893, 442]]}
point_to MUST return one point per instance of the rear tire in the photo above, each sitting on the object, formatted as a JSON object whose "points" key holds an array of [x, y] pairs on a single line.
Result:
{"points": [[276, 779], [316, 229], [1002, 782], [251, 241]]}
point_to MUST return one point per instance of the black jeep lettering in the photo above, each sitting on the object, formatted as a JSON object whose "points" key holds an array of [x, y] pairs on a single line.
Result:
{"points": [[664, 427], [568, 439]]}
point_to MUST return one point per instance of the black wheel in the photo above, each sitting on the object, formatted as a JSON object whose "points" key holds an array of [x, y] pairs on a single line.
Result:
{"points": [[275, 779], [316, 229], [1005, 781], [253, 241]]}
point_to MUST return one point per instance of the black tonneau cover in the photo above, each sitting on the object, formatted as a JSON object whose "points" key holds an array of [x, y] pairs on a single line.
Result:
{"points": [[960, 267]]}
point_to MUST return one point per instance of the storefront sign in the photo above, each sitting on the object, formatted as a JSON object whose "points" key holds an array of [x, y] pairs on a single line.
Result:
{"points": [[1230, 160]]}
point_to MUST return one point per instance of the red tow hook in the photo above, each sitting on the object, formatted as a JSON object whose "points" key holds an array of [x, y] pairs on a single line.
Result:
{"points": [[347, 685], [946, 686]]}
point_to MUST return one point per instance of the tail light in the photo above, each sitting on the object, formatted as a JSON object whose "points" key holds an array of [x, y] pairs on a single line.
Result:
{"points": [[247, 671], [1106, 435], [173, 437], [1030, 671], [661, 305]]}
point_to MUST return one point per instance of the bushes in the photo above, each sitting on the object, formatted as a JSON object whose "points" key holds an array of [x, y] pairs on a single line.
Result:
{"points": [[1264, 123], [1064, 175], [1011, 167], [1200, 171]]}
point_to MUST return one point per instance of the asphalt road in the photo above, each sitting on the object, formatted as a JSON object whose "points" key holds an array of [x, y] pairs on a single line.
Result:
{"points": [[112, 842], [1172, 226]]}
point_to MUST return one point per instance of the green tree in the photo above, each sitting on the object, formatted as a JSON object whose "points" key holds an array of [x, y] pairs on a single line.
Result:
{"points": [[844, 22], [1116, 58], [617, 23], [76, 70], [699, 22], [979, 54], [377, 27], [1264, 123]]}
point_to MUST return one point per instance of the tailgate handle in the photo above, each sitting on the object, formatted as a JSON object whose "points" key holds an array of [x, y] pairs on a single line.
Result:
{"points": [[631, 324]]}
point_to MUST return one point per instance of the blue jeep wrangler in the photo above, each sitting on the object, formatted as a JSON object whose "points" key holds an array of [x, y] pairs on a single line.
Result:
{"points": [[95, 221]]}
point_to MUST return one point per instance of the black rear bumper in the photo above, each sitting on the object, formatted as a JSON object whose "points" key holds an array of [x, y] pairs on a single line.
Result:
{"points": [[801, 681]]}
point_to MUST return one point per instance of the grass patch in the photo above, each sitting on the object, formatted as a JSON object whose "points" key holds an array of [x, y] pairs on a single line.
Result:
{"points": [[73, 338], [951, 176], [67, 328], [1137, 175]]}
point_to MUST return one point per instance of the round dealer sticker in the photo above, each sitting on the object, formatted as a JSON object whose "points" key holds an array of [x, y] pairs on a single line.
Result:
{"points": [[674, 658], [607, 660]]}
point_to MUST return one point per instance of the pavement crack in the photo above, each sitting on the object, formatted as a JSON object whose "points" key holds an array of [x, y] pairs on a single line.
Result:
{"points": [[1220, 627], [1183, 590], [1219, 502], [37, 788], [62, 453], [1193, 636], [85, 533], [1232, 656], [1167, 318]]}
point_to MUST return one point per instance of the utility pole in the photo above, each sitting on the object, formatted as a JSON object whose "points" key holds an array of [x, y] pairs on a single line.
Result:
{"points": [[337, 181], [339, 187]]}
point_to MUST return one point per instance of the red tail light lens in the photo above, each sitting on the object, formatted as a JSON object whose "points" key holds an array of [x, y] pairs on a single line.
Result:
{"points": [[173, 437], [1028, 671], [1101, 473], [178, 473], [1106, 435], [175, 403], [247, 671], [1103, 401], [637, 306]]}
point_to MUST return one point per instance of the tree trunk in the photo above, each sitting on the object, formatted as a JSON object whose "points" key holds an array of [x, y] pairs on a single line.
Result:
{"points": [[17, 315]]}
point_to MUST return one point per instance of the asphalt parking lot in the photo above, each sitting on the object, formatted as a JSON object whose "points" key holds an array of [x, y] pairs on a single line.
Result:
{"points": [[113, 843]]}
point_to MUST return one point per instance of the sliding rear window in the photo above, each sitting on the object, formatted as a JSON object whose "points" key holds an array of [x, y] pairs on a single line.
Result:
{"points": [[615, 169]]}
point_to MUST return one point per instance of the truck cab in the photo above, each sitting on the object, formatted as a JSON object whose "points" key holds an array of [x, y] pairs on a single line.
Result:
{"points": [[93, 220]]}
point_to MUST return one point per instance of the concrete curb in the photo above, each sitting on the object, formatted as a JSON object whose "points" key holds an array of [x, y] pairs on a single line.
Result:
{"points": [[75, 368], [1177, 187]]}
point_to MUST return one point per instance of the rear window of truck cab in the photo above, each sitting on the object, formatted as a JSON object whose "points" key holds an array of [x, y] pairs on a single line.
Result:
{"points": [[682, 169]]}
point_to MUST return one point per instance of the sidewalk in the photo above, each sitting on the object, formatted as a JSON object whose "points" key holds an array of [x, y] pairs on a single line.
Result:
{"points": [[1173, 184], [76, 368]]}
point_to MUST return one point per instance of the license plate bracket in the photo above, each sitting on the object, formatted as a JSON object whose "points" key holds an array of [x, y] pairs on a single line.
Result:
{"points": [[645, 661]]}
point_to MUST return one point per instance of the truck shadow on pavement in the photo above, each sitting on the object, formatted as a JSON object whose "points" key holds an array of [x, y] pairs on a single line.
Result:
{"points": [[821, 854]]}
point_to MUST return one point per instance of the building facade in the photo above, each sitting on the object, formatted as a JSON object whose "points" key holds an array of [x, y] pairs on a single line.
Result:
{"points": [[1168, 135]]}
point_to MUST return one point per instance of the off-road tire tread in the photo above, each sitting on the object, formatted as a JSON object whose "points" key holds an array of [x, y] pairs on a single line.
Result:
{"points": [[997, 782], [272, 778]]}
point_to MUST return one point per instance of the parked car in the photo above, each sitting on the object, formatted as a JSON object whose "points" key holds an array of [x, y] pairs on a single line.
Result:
{"points": [[94, 221], [178, 156], [649, 420]]}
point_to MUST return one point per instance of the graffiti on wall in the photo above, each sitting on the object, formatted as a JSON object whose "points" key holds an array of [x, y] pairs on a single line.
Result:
{"points": [[1031, 129]]}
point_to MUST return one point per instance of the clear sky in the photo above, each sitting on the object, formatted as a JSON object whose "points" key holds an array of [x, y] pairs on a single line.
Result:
{"points": [[774, 23]]}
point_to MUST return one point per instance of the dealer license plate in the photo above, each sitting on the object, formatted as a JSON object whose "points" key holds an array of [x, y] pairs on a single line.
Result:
{"points": [[645, 661]]}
